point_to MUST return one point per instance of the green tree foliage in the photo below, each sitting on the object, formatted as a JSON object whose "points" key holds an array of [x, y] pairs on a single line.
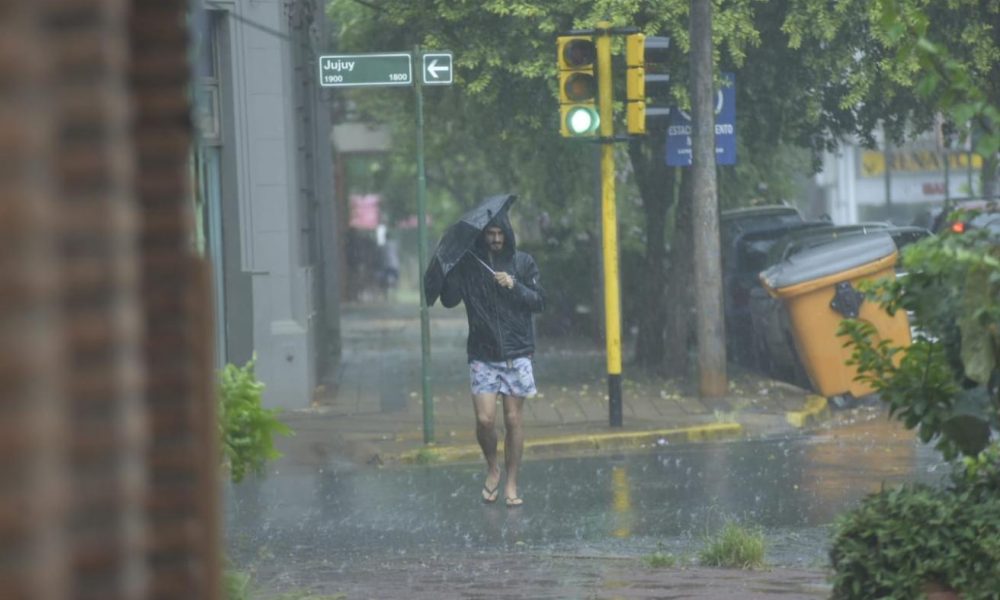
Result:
{"points": [[808, 72], [947, 383], [246, 428], [897, 64], [497, 128]]}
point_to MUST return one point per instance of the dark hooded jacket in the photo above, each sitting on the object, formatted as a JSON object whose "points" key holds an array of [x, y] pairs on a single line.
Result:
{"points": [[500, 325]]}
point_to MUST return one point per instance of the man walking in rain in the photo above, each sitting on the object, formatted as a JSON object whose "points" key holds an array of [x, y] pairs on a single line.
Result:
{"points": [[500, 288]]}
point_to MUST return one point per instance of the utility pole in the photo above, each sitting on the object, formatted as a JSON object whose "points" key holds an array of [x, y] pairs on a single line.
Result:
{"points": [[713, 382]]}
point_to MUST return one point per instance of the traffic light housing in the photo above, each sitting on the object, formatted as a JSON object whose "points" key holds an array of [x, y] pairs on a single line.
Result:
{"points": [[578, 111], [646, 80]]}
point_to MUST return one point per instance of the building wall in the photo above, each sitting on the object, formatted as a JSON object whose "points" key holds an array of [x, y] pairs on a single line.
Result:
{"points": [[862, 184], [281, 180]]}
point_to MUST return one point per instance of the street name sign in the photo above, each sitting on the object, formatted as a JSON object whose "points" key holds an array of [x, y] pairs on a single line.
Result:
{"points": [[679, 129], [437, 68], [356, 70]]}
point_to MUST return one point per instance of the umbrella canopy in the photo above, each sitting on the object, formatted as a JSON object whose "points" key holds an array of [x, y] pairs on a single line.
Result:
{"points": [[458, 239]]}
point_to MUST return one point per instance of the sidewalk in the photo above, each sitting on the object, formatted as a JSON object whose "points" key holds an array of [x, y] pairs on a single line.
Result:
{"points": [[372, 413]]}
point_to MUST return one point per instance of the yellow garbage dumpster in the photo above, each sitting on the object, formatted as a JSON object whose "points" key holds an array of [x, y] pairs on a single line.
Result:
{"points": [[819, 290]]}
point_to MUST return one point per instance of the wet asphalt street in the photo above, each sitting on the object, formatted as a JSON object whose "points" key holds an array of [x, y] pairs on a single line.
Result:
{"points": [[585, 528]]}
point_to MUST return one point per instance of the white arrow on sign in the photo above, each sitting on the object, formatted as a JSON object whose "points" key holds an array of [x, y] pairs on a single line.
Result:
{"points": [[437, 68], [433, 68]]}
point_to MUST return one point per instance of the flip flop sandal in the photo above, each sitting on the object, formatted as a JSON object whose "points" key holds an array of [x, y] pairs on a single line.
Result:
{"points": [[490, 496], [514, 502]]}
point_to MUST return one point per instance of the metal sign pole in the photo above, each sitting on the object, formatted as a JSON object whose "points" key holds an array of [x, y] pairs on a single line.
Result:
{"points": [[393, 69], [425, 327]]}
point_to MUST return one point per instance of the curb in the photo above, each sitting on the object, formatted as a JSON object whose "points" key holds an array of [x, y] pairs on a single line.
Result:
{"points": [[579, 443], [815, 410]]}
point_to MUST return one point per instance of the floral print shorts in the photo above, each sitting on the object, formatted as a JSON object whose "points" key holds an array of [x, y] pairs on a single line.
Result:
{"points": [[510, 378]]}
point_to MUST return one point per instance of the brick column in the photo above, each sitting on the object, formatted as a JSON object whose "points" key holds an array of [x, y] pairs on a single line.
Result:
{"points": [[108, 483], [33, 502], [184, 552], [96, 244]]}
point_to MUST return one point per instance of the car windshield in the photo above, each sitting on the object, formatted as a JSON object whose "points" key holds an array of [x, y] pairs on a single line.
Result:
{"points": [[756, 223], [753, 249]]}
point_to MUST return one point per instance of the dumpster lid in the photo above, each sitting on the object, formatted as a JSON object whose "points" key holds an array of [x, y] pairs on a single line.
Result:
{"points": [[828, 259]]}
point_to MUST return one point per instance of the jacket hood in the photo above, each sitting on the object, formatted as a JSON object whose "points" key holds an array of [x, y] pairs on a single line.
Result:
{"points": [[509, 243]]}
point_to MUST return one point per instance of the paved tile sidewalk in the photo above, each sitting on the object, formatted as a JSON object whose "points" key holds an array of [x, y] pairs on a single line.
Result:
{"points": [[373, 410]]}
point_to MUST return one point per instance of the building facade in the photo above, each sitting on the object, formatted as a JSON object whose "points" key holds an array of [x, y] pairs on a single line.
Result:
{"points": [[894, 183], [266, 192]]}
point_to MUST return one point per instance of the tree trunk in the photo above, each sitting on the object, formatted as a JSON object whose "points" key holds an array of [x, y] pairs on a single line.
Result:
{"points": [[707, 267], [656, 186], [680, 299]]}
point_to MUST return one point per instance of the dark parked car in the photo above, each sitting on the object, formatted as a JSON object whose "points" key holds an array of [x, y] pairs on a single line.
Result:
{"points": [[737, 221], [989, 221], [940, 218], [773, 342], [751, 256], [738, 275]]}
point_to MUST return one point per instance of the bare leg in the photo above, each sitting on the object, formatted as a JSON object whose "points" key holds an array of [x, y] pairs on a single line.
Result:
{"points": [[514, 442], [486, 435]]}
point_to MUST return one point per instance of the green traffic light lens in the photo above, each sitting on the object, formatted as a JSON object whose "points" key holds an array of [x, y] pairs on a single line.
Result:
{"points": [[582, 120]]}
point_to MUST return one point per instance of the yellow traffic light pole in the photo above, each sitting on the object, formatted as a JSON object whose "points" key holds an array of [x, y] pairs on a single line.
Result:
{"points": [[582, 55], [609, 228]]}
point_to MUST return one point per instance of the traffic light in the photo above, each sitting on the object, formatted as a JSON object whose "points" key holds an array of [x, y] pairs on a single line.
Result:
{"points": [[577, 86], [645, 79]]}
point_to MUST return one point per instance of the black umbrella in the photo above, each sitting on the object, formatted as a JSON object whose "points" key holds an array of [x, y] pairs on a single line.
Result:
{"points": [[458, 239]]}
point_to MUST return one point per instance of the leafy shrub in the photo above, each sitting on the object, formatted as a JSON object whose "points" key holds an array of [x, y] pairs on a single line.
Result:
{"points": [[979, 476], [236, 584], [947, 383], [661, 560], [903, 538], [246, 428], [946, 386], [426, 456], [735, 546]]}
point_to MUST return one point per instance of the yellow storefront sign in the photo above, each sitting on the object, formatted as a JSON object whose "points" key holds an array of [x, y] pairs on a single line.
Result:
{"points": [[915, 161]]}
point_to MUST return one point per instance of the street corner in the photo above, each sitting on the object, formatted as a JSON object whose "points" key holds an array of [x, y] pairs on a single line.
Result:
{"points": [[815, 409], [310, 451], [448, 446], [322, 440], [596, 442], [575, 444]]}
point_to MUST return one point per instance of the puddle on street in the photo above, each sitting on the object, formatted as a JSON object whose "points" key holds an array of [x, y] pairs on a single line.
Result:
{"points": [[633, 505]]}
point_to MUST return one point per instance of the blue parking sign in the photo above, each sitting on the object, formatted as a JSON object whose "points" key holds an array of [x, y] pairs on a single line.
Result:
{"points": [[679, 129]]}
